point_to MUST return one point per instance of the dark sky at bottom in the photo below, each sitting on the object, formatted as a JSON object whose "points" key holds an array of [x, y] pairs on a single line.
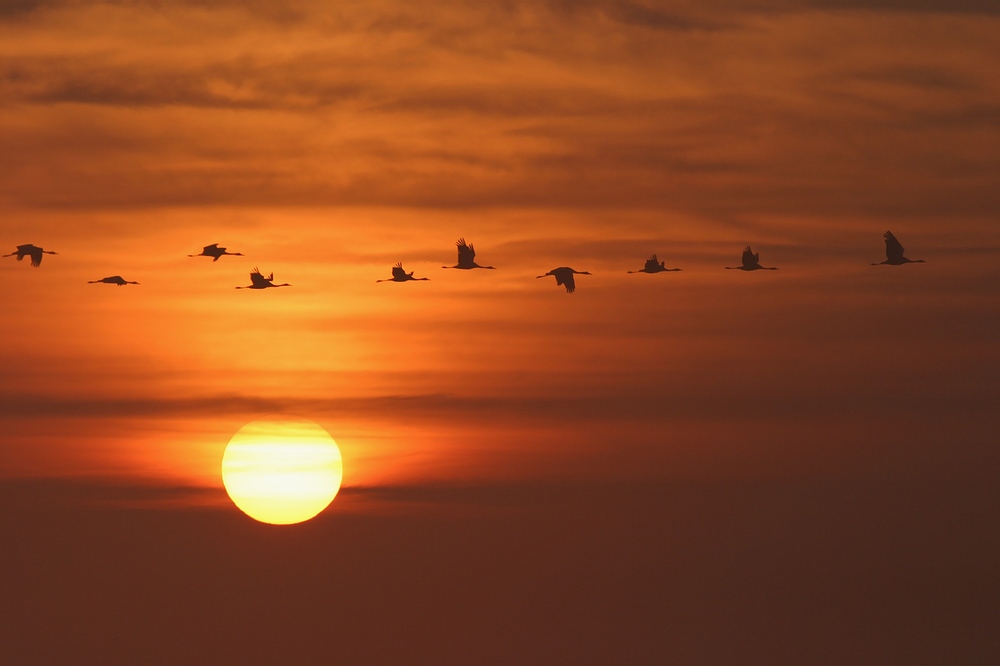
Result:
{"points": [[795, 571]]}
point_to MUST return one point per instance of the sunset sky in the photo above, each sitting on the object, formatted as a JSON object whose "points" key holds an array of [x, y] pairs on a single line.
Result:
{"points": [[699, 467]]}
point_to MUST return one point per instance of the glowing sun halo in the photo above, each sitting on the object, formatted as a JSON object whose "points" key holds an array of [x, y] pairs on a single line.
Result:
{"points": [[282, 470]]}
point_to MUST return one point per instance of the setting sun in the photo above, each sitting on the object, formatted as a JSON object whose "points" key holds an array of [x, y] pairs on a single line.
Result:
{"points": [[282, 471]]}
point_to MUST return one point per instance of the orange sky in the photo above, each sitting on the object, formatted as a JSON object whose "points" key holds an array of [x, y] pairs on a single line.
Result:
{"points": [[327, 141], [329, 144]]}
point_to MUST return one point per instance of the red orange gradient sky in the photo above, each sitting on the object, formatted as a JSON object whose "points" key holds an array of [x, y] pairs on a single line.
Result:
{"points": [[620, 475]]}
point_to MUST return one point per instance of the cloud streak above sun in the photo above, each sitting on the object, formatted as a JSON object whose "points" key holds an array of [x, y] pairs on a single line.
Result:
{"points": [[780, 109]]}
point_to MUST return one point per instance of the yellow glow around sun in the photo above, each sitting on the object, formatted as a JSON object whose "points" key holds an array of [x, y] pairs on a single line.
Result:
{"points": [[282, 470]]}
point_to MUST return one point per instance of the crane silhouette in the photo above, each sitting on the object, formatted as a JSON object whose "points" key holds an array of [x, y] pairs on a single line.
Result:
{"points": [[215, 252], [32, 251], [114, 279], [894, 252], [751, 262], [654, 266], [564, 276], [399, 275], [466, 256], [258, 281]]}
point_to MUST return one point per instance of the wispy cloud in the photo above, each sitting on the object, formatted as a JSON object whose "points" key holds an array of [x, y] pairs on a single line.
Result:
{"points": [[324, 111], [909, 6]]}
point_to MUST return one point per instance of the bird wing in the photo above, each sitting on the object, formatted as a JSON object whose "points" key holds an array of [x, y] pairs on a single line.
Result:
{"points": [[652, 263], [397, 272], [466, 252], [749, 258], [564, 277], [257, 279], [208, 249], [893, 248], [36, 255]]}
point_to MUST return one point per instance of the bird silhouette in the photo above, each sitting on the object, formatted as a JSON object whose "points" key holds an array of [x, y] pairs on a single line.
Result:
{"points": [[751, 262], [654, 266], [114, 279], [894, 252], [258, 281], [215, 252], [399, 275], [466, 256], [32, 251], [564, 276]]}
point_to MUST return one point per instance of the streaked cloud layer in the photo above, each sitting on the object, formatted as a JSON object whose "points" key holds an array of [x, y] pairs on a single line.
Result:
{"points": [[327, 142], [809, 108]]}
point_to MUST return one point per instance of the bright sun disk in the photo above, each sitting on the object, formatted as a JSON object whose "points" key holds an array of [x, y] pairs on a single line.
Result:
{"points": [[282, 470]]}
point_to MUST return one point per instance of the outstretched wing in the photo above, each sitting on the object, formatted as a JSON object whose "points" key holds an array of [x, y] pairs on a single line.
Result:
{"points": [[209, 249], [397, 272], [36, 255], [564, 277], [893, 248], [652, 263], [257, 279], [466, 252], [749, 258]]}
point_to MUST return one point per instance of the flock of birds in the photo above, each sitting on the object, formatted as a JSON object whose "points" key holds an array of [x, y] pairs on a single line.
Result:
{"points": [[466, 261]]}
